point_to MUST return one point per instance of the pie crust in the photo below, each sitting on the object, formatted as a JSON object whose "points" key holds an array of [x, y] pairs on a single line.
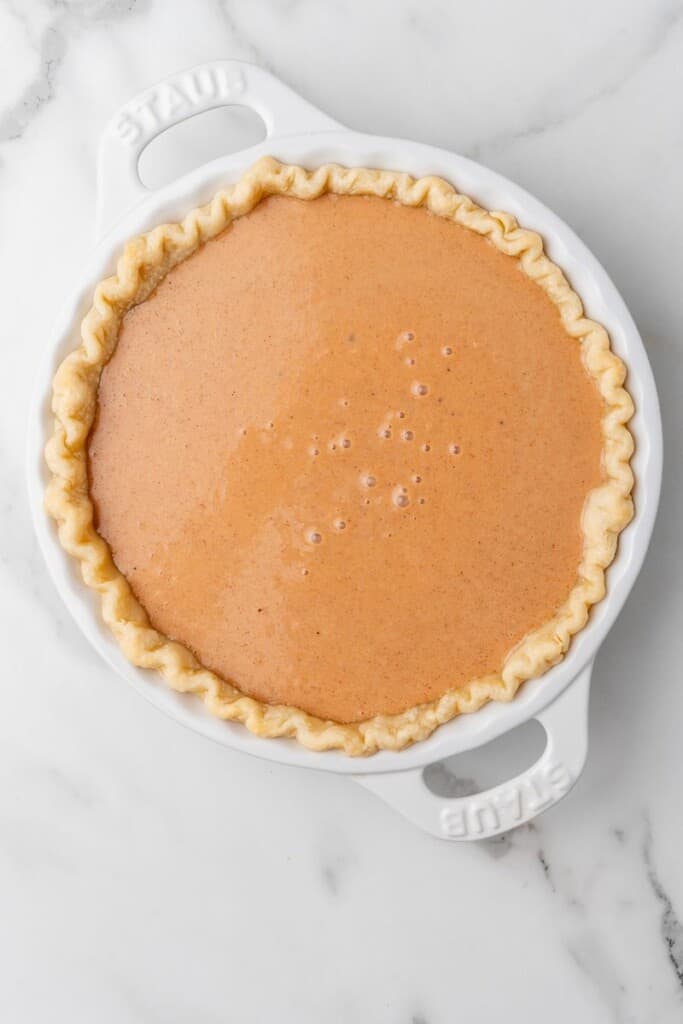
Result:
{"points": [[143, 263]]}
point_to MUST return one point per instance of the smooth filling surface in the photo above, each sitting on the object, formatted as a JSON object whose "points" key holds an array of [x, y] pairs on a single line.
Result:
{"points": [[341, 454]]}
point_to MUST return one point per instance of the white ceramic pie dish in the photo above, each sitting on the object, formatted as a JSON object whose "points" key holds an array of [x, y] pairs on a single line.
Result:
{"points": [[298, 133]]}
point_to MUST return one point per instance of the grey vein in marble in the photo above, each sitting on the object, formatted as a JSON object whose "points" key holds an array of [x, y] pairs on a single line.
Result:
{"points": [[545, 867], [51, 48], [250, 50], [253, 51], [671, 926], [573, 104], [333, 872], [588, 952], [330, 876]]}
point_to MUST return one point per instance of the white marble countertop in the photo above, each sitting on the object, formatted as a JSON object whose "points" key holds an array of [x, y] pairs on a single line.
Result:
{"points": [[148, 875]]}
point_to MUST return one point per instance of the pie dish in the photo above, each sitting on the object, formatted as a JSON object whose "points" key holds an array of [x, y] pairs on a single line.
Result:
{"points": [[554, 484]]}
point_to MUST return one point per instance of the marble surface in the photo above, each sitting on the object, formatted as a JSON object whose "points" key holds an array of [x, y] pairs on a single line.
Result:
{"points": [[147, 875]]}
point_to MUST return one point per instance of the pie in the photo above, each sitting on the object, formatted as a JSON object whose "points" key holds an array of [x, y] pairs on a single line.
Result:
{"points": [[341, 455]]}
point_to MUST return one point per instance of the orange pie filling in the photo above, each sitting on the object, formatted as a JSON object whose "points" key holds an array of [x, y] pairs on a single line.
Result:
{"points": [[341, 453]]}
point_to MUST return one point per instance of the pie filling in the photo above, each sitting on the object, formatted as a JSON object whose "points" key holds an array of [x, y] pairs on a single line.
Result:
{"points": [[341, 454]]}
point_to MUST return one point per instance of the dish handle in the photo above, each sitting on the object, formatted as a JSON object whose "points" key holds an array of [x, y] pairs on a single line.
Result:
{"points": [[216, 83], [511, 803]]}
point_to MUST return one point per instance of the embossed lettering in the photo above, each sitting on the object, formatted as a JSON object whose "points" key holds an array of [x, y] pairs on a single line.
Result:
{"points": [[538, 795], [559, 777], [173, 101], [509, 800], [453, 822], [127, 128], [148, 115], [195, 89], [232, 83], [507, 806], [484, 819], [202, 85]]}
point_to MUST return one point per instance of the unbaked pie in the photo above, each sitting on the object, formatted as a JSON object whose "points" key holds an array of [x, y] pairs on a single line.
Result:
{"points": [[342, 455]]}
